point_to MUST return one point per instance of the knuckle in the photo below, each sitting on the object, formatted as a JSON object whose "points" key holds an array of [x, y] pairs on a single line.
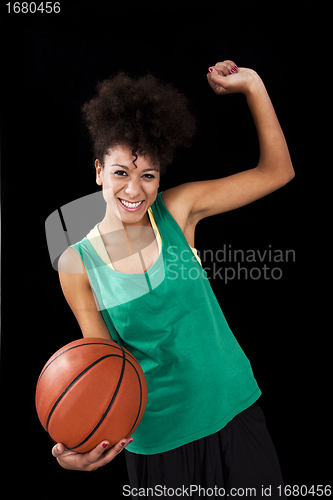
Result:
{"points": [[84, 463], [80, 466], [54, 450], [91, 468]]}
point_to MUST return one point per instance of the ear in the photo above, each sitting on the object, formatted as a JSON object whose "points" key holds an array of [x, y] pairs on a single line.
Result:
{"points": [[99, 173]]}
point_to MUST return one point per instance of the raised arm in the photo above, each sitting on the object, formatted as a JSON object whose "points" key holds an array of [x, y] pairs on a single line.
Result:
{"points": [[206, 198]]}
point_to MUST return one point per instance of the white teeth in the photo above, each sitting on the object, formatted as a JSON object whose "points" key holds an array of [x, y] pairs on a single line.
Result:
{"points": [[131, 205]]}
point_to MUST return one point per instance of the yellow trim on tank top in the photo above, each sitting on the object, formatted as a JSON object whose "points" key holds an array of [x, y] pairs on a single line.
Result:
{"points": [[94, 236]]}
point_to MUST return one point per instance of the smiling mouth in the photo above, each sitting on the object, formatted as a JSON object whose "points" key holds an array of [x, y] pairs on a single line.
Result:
{"points": [[129, 205]]}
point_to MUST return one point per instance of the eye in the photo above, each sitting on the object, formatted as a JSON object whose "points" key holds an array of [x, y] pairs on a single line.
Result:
{"points": [[120, 173], [149, 176]]}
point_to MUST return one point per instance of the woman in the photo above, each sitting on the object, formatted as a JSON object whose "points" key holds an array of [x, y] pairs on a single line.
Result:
{"points": [[136, 278]]}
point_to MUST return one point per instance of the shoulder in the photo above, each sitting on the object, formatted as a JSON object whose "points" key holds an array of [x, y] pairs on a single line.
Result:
{"points": [[73, 278], [179, 201], [70, 262], [77, 290]]}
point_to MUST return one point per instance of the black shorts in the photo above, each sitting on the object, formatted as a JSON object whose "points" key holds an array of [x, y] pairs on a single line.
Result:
{"points": [[238, 461]]}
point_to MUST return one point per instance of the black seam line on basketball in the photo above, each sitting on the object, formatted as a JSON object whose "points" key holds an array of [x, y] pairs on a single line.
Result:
{"points": [[81, 345], [73, 382], [109, 406]]}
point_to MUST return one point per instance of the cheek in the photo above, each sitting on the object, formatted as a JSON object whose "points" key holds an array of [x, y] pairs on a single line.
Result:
{"points": [[112, 185], [108, 195], [152, 189], [152, 195]]}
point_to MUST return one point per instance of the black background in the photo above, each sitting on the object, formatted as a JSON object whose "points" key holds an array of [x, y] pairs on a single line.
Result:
{"points": [[50, 66]]}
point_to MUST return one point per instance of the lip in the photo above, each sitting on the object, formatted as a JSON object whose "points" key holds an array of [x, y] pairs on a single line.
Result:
{"points": [[130, 209]]}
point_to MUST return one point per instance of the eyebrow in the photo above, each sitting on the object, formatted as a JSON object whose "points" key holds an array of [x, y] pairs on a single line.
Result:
{"points": [[124, 166]]}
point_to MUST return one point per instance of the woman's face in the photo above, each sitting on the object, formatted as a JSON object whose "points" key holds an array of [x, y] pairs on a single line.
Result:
{"points": [[128, 190]]}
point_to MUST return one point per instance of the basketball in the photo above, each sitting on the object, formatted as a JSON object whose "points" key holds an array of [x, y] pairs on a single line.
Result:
{"points": [[89, 391]]}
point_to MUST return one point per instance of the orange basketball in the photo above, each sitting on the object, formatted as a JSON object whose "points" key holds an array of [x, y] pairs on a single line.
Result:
{"points": [[89, 391]]}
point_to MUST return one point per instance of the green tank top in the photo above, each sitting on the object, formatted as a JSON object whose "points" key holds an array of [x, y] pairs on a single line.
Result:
{"points": [[197, 375]]}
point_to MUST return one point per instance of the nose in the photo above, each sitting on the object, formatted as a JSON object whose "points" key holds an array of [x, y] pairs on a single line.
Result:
{"points": [[133, 188]]}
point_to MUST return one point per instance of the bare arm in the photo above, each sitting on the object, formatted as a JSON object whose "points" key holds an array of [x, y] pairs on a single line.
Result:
{"points": [[77, 291], [274, 169], [76, 288]]}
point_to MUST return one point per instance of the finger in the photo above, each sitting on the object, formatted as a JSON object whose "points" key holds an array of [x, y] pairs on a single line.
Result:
{"points": [[228, 63], [217, 82], [95, 454], [109, 455], [58, 449], [121, 445], [222, 69], [115, 450], [227, 67]]}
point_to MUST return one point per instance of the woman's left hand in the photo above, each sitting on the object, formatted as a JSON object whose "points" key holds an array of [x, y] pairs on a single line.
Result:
{"points": [[226, 78]]}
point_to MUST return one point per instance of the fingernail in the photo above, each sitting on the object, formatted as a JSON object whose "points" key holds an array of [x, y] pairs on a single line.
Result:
{"points": [[104, 445], [210, 70], [123, 443]]}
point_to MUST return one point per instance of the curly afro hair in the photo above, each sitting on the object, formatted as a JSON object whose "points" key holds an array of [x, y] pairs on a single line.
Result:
{"points": [[150, 117]]}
